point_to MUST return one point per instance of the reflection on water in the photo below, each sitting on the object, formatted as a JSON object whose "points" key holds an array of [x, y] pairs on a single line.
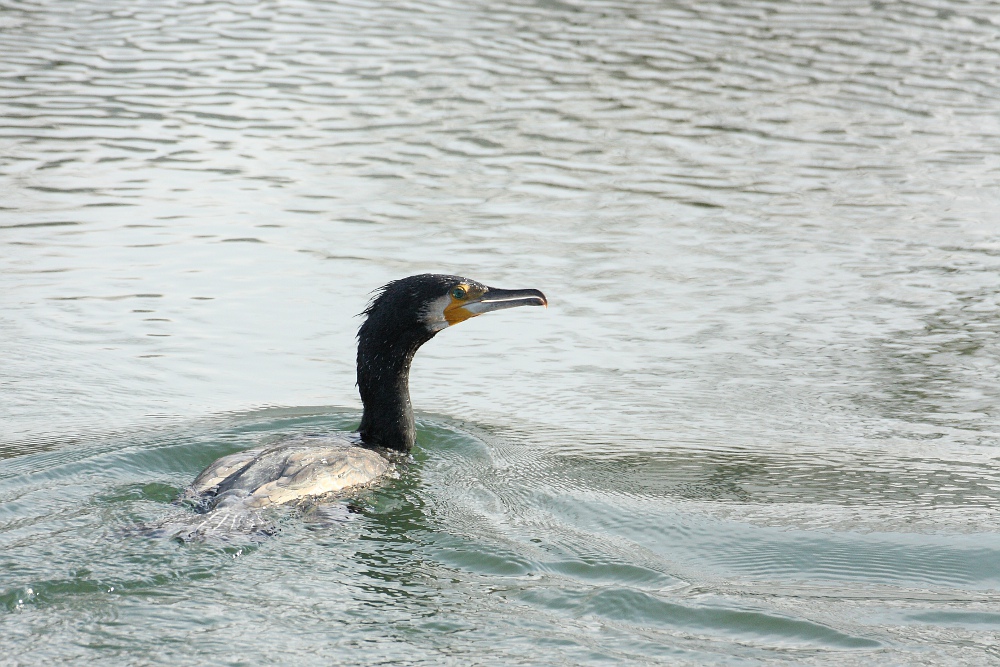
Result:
{"points": [[757, 424]]}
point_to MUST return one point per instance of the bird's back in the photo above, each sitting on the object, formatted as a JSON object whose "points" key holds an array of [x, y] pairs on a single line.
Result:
{"points": [[295, 469]]}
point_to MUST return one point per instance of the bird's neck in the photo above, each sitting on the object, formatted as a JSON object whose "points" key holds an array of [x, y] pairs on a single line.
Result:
{"points": [[384, 384]]}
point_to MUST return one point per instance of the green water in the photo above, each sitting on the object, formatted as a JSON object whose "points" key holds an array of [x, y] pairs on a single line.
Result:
{"points": [[481, 546], [758, 423]]}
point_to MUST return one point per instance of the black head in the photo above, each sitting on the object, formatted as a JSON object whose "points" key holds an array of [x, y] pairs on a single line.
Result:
{"points": [[402, 316], [431, 302]]}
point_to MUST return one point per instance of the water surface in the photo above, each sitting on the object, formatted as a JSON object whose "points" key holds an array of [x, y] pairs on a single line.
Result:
{"points": [[757, 424]]}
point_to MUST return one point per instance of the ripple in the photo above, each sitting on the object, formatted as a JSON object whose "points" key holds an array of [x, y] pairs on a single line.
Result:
{"points": [[627, 606]]}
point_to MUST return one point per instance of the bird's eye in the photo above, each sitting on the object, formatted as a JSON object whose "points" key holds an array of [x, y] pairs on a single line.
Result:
{"points": [[458, 293]]}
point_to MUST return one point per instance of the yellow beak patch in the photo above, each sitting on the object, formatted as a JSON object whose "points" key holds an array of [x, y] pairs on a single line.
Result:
{"points": [[455, 312]]}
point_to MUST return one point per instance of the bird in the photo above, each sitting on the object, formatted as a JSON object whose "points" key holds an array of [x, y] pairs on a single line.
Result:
{"points": [[401, 316]]}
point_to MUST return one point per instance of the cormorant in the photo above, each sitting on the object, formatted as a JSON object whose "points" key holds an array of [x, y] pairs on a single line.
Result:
{"points": [[402, 316]]}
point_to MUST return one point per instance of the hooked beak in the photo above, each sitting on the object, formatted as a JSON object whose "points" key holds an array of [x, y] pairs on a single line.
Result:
{"points": [[493, 299], [500, 299]]}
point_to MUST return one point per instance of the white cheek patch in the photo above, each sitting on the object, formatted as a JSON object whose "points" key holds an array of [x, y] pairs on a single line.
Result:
{"points": [[434, 314]]}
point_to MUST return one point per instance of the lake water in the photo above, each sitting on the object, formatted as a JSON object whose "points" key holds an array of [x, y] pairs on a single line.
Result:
{"points": [[758, 423]]}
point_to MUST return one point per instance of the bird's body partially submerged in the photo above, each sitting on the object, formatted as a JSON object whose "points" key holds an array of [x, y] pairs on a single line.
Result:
{"points": [[306, 466], [404, 315]]}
